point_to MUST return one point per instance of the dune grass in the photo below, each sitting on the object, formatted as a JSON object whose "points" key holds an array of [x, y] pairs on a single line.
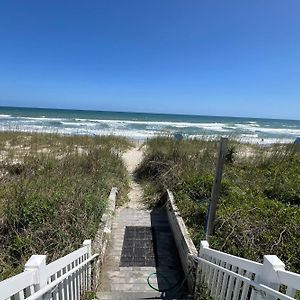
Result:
{"points": [[53, 191], [259, 207]]}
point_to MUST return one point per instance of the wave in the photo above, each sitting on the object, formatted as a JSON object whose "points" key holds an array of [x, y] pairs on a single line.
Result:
{"points": [[126, 123], [165, 123], [141, 134], [138, 134], [142, 129], [247, 127], [219, 127], [295, 132], [123, 123], [77, 124], [42, 119]]}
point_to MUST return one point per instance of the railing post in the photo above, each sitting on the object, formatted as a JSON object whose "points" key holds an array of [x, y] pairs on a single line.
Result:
{"points": [[203, 245], [268, 275], [37, 263], [88, 244]]}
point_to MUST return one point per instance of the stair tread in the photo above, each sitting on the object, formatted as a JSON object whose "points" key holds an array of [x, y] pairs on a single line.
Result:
{"points": [[135, 296]]}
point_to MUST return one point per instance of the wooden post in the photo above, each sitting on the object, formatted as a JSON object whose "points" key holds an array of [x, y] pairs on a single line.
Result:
{"points": [[203, 246], [268, 275], [88, 280], [88, 244], [215, 194], [37, 263]]}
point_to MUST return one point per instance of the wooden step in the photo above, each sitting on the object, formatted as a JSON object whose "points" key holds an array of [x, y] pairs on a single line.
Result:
{"points": [[135, 296]]}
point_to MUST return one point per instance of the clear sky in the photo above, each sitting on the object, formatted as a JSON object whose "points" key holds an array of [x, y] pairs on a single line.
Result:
{"points": [[234, 58]]}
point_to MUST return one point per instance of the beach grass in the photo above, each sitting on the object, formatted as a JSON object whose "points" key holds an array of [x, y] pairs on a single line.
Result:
{"points": [[259, 207], [53, 192]]}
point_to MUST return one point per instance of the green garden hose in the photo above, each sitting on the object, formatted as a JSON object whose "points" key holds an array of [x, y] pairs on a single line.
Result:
{"points": [[177, 286]]}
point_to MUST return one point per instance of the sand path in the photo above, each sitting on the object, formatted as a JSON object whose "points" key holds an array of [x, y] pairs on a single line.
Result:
{"points": [[132, 158]]}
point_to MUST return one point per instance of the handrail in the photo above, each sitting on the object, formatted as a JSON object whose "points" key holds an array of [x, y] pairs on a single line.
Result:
{"points": [[289, 278], [258, 286], [54, 283], [25, 279], [56, 265], [244, 263]]}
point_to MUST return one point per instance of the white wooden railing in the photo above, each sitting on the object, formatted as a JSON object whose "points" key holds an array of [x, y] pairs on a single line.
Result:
{"points": [[229, 277], [64, 279]]}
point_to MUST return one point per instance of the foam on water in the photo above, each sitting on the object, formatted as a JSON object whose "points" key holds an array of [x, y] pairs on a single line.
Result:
{"points": [[142, 126], [295, 132]]}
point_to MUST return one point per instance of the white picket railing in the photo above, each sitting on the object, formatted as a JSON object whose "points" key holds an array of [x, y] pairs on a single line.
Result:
{"points": [[66, 278], [230, 277]]}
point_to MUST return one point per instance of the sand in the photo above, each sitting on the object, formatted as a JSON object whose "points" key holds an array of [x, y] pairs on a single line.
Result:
{"points": [[132, 158]]}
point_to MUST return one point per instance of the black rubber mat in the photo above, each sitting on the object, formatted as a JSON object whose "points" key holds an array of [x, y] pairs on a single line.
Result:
{"points": [[138, 248]]}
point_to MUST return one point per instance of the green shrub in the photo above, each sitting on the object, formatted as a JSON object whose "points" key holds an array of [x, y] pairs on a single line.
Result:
{"points": [[52, 200], [258, 211]]}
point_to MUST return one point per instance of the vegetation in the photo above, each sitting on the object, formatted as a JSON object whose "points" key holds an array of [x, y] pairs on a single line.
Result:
{"points": [[53, 191], [259, 207]]}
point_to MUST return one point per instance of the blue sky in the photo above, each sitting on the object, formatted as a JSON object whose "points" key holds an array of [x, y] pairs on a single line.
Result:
{"points": [[234, 58]]}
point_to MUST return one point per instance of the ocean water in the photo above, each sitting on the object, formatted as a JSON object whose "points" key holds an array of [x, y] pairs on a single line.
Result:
{"points": [[145, 125]]}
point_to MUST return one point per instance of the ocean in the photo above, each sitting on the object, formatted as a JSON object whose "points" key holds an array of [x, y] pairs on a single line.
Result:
{"points": [[141, 126]]}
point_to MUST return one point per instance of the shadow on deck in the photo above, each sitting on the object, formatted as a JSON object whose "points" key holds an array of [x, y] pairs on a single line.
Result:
{"points": [[170, 275]]}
